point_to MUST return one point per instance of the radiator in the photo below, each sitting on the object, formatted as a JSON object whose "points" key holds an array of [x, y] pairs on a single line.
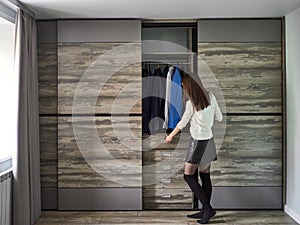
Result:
{"points": [[5, 198]]}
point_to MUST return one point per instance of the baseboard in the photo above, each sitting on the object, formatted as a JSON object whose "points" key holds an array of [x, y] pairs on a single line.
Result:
{"points": [[247, 198], [49, 198], [292, 214]]}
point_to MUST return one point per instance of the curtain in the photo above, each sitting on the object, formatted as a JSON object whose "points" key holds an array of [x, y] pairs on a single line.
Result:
{"points": [[26, 162]]}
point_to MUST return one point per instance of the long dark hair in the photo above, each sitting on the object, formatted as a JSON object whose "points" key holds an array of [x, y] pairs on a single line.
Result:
{"points": [[199, 96]]}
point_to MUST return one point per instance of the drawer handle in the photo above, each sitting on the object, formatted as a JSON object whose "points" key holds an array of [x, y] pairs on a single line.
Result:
{"points": [[166, 181], [168, 167], [166, 154], [166, 196]]}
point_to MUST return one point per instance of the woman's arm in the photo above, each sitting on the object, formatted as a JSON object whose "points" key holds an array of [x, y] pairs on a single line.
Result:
{"points": [[187, 115], [217, 110], [169, 137]]}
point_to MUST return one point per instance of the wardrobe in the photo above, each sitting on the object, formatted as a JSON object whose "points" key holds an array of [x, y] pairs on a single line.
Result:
{"points": [[94, 153]]}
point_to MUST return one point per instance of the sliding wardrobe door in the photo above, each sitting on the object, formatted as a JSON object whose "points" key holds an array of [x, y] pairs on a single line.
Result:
{"points": [[47, 78], [99, 123], [242, 58]]}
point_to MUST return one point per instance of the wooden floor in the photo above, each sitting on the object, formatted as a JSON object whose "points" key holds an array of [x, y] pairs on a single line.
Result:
{"points": [[162, 218]]}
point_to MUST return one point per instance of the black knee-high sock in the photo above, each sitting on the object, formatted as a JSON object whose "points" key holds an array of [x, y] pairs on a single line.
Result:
{"points": [[206, 184], [198, 191]]}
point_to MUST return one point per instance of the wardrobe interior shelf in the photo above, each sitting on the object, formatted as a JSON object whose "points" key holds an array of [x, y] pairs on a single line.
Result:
{"points": [[167, 56], [169, 53]]}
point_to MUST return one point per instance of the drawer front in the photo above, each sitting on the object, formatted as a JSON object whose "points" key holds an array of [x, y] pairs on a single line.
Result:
{"points": [[167, 198], [161, 168], [156, 156], [168, 181]]}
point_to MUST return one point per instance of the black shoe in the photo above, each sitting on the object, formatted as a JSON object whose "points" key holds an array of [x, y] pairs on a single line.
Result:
{"points": [[206, 216], [197, 215]]}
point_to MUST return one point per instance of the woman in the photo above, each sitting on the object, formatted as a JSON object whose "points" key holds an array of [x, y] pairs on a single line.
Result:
{"points": [[201, 109]]}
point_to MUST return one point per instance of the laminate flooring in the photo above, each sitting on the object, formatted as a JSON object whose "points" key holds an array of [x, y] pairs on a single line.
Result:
{"points": [[165, 217]]}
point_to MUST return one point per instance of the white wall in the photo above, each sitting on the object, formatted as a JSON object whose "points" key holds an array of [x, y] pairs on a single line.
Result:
{"points": [[293, 114]]}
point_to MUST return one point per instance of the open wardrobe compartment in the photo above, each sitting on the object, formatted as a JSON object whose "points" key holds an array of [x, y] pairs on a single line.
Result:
{"points": [[167, 50]]}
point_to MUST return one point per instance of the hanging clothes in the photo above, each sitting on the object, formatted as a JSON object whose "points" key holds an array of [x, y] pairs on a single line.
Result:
{"points": [[153, 101], [175, 109], [146, 100], [157, 101], [168, 96]]}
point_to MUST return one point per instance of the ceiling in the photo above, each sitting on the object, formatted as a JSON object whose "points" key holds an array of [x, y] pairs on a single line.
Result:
{"points": [[160, 9]]}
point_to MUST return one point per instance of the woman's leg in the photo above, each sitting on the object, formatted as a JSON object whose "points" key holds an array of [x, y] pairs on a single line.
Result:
{"points": [[189, 171], [207, 190], [206, 182]]}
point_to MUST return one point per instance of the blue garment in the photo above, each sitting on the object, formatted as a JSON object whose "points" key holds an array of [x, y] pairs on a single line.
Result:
{"points": [[175, 110]]}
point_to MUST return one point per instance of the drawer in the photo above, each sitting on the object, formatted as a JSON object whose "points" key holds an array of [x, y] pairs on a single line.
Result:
{"points": [[167, 198], [163, 167], [163, 160], [159, 155], [167, 181]]}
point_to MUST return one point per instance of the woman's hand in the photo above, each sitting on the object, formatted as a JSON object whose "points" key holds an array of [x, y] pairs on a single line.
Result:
{"points": [[169, 139]]}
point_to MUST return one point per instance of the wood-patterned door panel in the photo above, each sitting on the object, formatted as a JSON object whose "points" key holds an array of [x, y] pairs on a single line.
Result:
{"points": [[251, 152], [98, 81], [47, 76], [244, 71], [249, 75], [48, 151], [82, 163]]}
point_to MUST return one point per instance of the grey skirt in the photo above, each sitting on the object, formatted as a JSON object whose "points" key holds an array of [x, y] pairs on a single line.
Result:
{"points": [[201, 152]]}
